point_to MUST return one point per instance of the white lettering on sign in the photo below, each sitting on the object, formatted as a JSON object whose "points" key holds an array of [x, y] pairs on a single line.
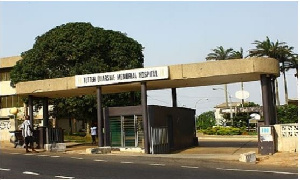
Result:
{"points": [[134, 75]]}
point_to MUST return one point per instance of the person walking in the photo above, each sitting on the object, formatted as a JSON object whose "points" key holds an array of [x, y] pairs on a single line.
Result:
{"points": [[27, 133], [94, 133]]}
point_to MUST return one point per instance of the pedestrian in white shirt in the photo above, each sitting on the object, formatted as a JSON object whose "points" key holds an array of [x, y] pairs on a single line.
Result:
{"points": [[27, 133], [94, 133]]}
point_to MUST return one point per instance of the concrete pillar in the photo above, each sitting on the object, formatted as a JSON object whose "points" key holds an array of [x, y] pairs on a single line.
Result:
{"points": [[106, 127], [174, 97], [145, 116], [273, 99], [45, 112], [100, 117], [30, 105], [268, 99]]}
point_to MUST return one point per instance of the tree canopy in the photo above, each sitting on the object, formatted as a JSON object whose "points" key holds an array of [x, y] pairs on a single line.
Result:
{"points": [[77, 48], [287, 59], [80, 48], [220, 54]]}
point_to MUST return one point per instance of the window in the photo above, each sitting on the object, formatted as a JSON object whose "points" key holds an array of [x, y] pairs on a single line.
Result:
{"points": [[4, 75], [11, 101]]}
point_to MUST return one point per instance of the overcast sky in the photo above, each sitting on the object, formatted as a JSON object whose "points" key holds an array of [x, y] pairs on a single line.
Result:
{"points": [[171, 32]]}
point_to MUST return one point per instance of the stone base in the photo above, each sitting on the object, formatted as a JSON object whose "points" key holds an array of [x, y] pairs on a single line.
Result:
{"points": [[249, 157], [55, 147], [98, 150]]}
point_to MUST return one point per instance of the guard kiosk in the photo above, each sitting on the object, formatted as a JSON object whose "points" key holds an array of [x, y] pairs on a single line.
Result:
{"points": [[266, 140]]}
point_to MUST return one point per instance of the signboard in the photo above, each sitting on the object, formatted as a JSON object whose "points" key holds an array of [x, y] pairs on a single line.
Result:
{"points": [[133, 75], [265, 130], [265, 134]]}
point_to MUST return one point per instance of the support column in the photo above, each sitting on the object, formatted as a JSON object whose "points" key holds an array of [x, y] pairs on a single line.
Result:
{"points": [[99, 117], [45, 112], [273, 100], [174, 97], [106, 127], [145, 116], [267, 99], [30, 105]]}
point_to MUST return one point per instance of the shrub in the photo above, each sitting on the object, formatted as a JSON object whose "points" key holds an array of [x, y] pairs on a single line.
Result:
{"points": [[223, 131]]}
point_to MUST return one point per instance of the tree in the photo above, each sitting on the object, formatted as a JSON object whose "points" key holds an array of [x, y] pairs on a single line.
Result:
{"points": [[205, 120], [287, 114], [237, 54], [221, 54], [294, 64], [80, 48], [277, 50]]}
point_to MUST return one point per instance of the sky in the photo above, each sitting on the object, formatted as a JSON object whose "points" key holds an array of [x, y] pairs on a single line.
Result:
{"points": [[172, 32]]}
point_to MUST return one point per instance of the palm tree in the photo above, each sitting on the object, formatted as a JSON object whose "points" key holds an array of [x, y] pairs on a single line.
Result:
{"points": [[294, 64], [238, 55], [221, 54], [277, 50]]}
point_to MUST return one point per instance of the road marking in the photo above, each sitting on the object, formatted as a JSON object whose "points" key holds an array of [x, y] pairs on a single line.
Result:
{"points": [[191, 167], [64, 177], [250, 170], [54, 156], [15, 153], [76, 158], [1, 169], [28, 154], [31, 173], [124, 162], [157, 164], [100, 160], [43, 155]]}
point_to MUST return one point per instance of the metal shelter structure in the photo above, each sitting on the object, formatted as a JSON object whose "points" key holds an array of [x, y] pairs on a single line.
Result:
{"points": [[265, 70]]}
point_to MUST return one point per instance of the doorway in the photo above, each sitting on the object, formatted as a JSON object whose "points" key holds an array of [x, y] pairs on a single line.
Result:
{"points": [[126, 131]]}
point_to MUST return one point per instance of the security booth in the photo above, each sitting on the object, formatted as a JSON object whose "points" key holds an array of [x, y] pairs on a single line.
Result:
{"points": [[266, 140], [170, 128]]}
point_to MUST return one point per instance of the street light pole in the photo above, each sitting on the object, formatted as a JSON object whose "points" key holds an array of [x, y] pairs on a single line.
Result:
{"points": [[226, 94]]}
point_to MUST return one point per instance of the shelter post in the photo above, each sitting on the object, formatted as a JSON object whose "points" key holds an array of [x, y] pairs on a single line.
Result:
{"points": [[45, 112], [268, 99], [273, 101], [106, 127], [30, 105], [145, 116], [174, 97], [99, 116]]}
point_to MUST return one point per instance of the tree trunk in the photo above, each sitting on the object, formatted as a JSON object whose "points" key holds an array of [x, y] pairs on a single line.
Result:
{"points": [[276, 92]]}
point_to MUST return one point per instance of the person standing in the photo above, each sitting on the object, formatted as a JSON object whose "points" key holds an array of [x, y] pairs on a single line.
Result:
{"points": [[27, 133], [94, 133]]}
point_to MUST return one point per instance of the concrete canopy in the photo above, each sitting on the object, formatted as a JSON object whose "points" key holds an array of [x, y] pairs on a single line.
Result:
{"points": [[182, 75]]}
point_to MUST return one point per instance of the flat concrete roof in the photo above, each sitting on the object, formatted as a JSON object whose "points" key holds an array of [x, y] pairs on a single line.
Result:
{"points": [[181, 75], [9, 62]]}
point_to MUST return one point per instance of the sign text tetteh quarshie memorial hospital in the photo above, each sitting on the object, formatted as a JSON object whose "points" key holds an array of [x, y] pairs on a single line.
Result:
{"points": [[133, 75]]}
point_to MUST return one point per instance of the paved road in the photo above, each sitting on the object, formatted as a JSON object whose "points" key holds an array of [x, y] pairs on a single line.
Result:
{"points": [[16, 165]]}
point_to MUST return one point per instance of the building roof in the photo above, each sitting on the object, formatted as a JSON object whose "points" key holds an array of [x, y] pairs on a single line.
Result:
{"points": [[9, 62], [181, 75]]}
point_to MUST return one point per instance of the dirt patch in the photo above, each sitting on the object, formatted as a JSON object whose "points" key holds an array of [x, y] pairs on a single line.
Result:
{"points": [[289, 159]]}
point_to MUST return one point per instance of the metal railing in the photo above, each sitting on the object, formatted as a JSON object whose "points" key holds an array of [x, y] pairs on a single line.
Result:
{"points": [[54, 135]]}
